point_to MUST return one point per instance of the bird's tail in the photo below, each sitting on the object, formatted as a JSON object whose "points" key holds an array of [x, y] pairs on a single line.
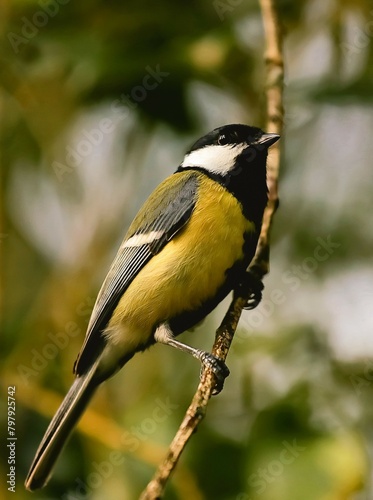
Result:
{"points": [[60, 428]]}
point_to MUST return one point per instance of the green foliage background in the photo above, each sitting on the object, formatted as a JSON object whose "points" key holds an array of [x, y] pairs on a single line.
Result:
{"points": [[78, 157]]}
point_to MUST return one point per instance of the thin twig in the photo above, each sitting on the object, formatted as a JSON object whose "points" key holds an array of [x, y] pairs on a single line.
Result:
{"points": [[198, 406], [260, 265], [275, 116]]}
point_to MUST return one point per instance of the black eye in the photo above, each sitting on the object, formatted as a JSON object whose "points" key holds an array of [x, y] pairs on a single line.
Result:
{"points": [[223, 139]]}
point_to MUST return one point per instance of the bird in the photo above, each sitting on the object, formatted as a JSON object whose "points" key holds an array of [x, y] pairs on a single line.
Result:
{"points": [[188, 247]]}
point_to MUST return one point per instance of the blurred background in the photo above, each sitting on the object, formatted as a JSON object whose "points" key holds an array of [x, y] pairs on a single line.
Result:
{"points": [[98, 102]]}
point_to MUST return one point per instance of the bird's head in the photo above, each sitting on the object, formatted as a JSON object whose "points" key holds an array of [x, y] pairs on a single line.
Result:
{"points": [[224, 149]]}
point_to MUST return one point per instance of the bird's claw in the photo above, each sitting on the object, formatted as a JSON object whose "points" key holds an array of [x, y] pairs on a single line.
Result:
{"points": [[219, 369], [253, 285]]}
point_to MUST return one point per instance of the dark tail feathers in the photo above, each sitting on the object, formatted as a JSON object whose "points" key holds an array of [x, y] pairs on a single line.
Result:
{"points": [[60, 428]]}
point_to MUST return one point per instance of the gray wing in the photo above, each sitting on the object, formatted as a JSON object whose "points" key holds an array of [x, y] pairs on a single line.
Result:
{"points": [[177, 205]]}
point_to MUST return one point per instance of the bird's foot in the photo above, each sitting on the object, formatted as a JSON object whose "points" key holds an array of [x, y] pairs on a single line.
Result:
{"points": [[218, 367], [253, 285]]}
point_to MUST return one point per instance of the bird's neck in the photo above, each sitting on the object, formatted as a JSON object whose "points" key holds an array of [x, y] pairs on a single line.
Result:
{"points": [[249, 186], [246, 182]]}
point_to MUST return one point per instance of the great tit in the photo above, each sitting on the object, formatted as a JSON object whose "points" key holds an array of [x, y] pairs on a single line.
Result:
{"points": [[187, 248]]}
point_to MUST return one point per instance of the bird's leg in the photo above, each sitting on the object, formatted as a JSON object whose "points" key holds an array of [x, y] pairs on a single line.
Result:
{"points": [[250, 283], [164, 335]]}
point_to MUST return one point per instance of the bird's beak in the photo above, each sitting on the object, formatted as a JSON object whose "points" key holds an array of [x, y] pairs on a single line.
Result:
{"points": [[268, 139]]}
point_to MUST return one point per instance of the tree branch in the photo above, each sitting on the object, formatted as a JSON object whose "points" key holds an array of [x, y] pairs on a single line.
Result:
{"points": [[275, 117], [260, 265]]}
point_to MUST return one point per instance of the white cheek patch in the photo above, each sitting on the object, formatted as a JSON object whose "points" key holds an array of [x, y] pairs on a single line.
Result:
{"points": [[142, 239], [216, 159]]}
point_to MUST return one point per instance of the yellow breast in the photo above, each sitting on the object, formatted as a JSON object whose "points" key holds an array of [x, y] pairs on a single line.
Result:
{"points": [[188, 270]]}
